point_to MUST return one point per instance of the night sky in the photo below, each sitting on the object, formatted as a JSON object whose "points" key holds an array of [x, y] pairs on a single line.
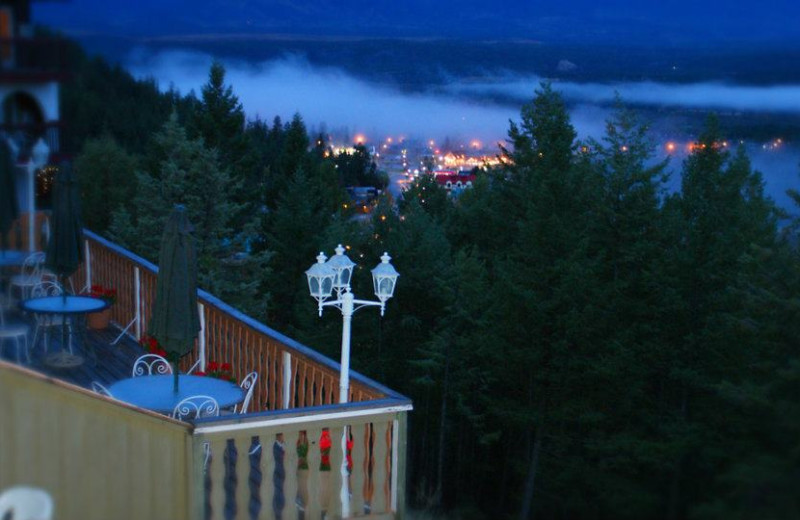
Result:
{"points": [[667, 22]]}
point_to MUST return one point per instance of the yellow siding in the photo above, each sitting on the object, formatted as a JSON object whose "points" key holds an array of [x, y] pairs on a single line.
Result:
{"points": [[97, 458]]}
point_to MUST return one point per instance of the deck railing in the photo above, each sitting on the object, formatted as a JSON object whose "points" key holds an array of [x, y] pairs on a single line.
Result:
{"points": [[291, 375], [327, 462], [284, 459], [101, 458]]}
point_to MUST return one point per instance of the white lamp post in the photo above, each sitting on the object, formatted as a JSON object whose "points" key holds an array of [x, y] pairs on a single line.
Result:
{"points": [[334, 275], [39, 156]]}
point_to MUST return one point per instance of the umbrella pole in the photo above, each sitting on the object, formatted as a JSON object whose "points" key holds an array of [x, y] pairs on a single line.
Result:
{"points": [[175, 376]]}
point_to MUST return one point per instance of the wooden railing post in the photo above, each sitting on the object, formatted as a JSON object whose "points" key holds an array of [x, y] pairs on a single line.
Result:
{"points": [[380, 467], [137, 311], [399, 450], [287, 380], [201, 339]]}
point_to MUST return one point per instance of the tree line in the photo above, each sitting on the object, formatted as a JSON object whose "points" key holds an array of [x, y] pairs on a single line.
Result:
{"points": [[578, 341]]}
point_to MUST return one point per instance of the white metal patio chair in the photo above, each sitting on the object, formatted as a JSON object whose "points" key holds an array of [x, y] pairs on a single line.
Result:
{"points": [[99, 388], [30, 275], [18, 332], [26, 503], [247, 384], [151, 364], [195, 407], [46, 322], [194, 367]]}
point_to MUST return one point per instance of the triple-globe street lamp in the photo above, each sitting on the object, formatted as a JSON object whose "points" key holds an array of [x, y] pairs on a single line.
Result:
{"points": [[327, 277]]}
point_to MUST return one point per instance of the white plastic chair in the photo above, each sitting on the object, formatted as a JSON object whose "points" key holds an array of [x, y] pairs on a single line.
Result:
{"points": [[45, 322], [98, 388], [247, 384], [26, 503], [151, 364], [17, 332], [195, 407]]}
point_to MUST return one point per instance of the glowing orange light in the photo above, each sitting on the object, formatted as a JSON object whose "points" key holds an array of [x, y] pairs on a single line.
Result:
{"points": [[360, 139], [670, 147]]}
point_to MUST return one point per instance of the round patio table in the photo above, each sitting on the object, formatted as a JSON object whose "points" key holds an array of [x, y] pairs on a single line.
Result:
{"points": [[156, 392], [64, 305], [10, 258]]}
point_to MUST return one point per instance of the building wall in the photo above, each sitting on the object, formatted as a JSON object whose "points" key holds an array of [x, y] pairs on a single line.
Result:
{"points": [[45, 93]]}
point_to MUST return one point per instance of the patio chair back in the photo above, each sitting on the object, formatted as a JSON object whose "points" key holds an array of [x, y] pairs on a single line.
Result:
{"points": [[46, 288], [247, 384], [45, 322], [30, 275], [26, 503], [99, 388], [195, 407], [151, 364]]}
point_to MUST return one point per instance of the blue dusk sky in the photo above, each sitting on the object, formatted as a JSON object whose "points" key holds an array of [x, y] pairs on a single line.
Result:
{"points": [[680, 22]]}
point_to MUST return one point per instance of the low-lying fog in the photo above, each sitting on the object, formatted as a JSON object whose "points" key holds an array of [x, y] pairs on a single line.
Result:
{"points": [[468, 110]]}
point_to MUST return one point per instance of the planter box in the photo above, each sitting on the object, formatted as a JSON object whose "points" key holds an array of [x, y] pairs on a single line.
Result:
{"points": [[99, 320]]}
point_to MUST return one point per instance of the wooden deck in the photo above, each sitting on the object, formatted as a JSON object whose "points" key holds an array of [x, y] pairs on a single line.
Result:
{"points": [[113, 362]]}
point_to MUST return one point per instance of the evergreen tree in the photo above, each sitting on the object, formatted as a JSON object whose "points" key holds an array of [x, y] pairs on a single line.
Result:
{"points": [[106, 173], [189, 174], [722, 216], [548, 292], [219, 120], [291, 232]]}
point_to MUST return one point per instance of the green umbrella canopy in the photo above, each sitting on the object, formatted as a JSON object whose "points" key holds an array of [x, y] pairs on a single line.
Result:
{"points": [[9, 209], [175, 321], [64, 252]]}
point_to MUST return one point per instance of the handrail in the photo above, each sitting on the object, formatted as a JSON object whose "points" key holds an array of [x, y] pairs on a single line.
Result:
{"points": [[303, 415]]}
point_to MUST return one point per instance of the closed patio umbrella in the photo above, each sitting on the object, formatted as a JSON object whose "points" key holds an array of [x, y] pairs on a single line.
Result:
{"points": [[64, 253], [175, 321], [9, 208]]}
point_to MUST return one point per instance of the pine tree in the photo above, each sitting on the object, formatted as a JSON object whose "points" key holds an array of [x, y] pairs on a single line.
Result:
{"points": [[106, 173], [292, 232], [188, 174], [547, 288], [219, 118], [722, 217]]}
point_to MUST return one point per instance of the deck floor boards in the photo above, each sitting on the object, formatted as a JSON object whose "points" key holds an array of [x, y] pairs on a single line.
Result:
{"points": [[113, 362]]}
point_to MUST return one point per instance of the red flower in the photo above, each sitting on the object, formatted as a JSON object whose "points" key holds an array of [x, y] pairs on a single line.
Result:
{"points": [[212, 366], [152, 343], [199, 373], [226, 367]]}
